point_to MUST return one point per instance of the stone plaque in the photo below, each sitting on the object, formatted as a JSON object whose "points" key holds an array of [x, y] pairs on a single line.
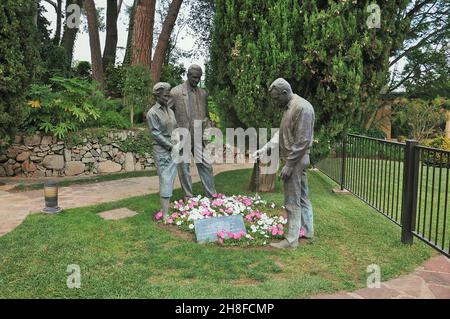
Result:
{"points": [[206, 229]]}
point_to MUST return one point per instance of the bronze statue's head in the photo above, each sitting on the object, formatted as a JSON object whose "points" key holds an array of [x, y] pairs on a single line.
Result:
{"points": [[194, 75], [280, 92], [161, 91]]}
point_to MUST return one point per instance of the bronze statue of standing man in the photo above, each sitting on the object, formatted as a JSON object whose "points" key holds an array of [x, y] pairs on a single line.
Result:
{"points": [[190, 104], [294, 139]]}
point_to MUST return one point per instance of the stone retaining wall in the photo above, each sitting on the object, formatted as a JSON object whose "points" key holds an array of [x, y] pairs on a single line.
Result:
{"points": [[46, 156]]}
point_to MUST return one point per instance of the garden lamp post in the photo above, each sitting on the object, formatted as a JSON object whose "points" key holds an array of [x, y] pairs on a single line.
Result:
{"points": [[51, 198]]}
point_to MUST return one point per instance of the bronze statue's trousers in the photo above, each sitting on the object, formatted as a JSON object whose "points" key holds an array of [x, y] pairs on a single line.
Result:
{"points": [[205, 171], [297, 203]]}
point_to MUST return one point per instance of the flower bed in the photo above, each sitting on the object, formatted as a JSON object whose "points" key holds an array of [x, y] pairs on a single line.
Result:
{"points": [[261, 223]]}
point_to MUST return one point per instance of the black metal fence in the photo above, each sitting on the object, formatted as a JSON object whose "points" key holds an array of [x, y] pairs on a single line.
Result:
{"points": [[406, 182]]}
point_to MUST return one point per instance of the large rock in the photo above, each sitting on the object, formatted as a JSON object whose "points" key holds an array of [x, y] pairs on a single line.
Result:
{"points": [[109, 167], [88, 160], [47, 140], [9, 170], [67, 155], [23, 156], [74, 168], [120, 158], [3, 158], [55, 162], [12, 152], [2, 172], [36, 159], [57, 147], [32, 140], [28, 166], [129, 163], [39, 174]]}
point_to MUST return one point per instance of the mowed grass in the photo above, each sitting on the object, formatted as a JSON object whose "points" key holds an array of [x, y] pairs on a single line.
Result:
{"points": [[380, 183], [137, 258]]}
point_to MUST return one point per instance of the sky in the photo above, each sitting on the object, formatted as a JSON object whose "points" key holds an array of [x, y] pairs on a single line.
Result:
{"points": [[82, 49]]}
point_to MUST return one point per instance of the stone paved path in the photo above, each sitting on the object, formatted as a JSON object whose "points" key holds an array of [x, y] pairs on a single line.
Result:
{"points": [[15, 207], [432, 280]]}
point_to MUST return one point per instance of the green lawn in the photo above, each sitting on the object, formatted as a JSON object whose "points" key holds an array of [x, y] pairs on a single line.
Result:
{"points": [[137, 258]]}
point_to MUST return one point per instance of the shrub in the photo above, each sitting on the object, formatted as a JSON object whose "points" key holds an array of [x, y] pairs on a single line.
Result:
{"points": [[65, 105], [83, 70], [140, 144], [137, 92], [421, 118], [112, 119], [437, 158]]}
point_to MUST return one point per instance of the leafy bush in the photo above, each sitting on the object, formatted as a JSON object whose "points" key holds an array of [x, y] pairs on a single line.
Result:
{"points": [[140, 144], [137, 92], [112, 119], [172, 74], [420, 118], [83, 70], [437, 158], [115, 81], [63, 106]]}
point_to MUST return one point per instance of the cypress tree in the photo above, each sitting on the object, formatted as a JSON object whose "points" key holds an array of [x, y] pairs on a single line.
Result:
{"points": [[325, 49], [18, 59]]}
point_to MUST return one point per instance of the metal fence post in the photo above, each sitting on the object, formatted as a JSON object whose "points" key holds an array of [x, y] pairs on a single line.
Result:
{"points": [[344, 155], [409, 196]]}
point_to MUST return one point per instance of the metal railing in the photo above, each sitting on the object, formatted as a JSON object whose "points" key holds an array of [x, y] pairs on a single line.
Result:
{"points": [[406, 182]]}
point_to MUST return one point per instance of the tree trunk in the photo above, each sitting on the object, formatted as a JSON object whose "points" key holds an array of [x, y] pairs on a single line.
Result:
{"points": [[260, 182], [94, 42], [57, 38], [70, 34], [164, 37], [143, 33], [109, 54], [127, 57]]}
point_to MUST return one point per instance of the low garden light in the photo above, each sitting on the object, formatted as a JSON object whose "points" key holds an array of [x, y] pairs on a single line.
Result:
{"points": [[51, 198]]}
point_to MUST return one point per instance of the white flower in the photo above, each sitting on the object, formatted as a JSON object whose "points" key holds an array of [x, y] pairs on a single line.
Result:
{"points": [[273, 205], [178, 223], [191, 226]]}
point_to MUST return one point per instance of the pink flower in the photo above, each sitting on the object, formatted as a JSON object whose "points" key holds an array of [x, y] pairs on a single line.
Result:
{"points": [[302, 232], [215, 195], [230, 234], [174, 215], [158, 215], [274, 231], [169, 220], [249, 218], [281, 232], [221, 235], [236, 236]]}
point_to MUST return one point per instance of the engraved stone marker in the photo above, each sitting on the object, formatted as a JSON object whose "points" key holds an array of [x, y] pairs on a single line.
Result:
{"points": [[206, 229]]}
